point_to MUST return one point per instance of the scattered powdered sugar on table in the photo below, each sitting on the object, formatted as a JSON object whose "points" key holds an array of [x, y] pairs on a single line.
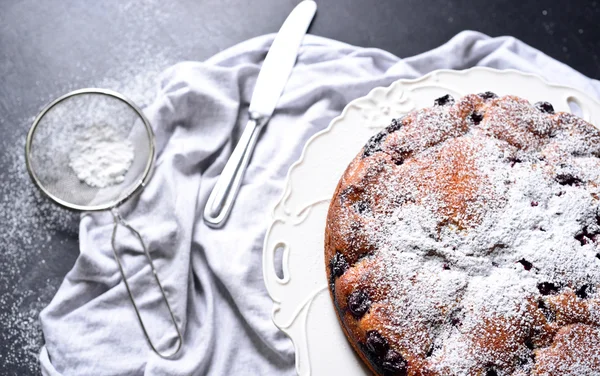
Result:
{"points": [[479, 228], [100, 157], [30, 246]]}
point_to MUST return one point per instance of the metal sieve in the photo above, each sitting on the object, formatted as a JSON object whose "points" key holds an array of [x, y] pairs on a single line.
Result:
{"points": [[48, 152]]}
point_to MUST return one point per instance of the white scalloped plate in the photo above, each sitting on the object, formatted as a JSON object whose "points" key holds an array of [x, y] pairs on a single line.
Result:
{"points": [[302, 306]]}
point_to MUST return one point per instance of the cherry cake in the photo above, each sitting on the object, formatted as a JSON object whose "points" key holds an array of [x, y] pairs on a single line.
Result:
{"points": [[464, 239]]}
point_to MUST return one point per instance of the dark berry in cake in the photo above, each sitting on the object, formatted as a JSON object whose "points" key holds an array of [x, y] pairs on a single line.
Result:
{"points": [[338, 265], [568, 179], [445, 100], [476, 117], [395, 125], [582, 292], [398, 160], [488, 95], [526, 264], [545, 107], [358, 303], [547, 288], [394, 364], [376, 344], [374, 144], [361, 207]]}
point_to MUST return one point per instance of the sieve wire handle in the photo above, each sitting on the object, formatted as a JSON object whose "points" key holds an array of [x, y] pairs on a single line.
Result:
{"points": [[118, 220]]}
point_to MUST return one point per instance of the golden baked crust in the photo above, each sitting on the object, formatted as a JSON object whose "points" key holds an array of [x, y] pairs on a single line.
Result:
{"points": [[462, 240]]}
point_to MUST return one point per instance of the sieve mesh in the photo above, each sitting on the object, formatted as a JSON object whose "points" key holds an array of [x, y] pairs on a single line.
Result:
{"points": [[68, 119]]}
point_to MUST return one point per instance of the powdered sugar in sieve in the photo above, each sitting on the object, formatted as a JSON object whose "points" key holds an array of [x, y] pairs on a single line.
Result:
{"points": [[100, 157]]}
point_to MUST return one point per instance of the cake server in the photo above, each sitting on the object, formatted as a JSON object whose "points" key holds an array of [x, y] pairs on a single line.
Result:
{"points": [[271, 80]]}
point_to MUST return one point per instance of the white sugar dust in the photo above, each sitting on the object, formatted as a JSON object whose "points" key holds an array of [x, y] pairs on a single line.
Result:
{"points": [[100, 157]]}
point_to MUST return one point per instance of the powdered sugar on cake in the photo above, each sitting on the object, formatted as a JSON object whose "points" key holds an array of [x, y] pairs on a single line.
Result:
{"points": [[479, 228]]}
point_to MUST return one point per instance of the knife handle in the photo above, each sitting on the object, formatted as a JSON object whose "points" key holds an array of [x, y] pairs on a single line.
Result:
{"points": [[223, 195]]}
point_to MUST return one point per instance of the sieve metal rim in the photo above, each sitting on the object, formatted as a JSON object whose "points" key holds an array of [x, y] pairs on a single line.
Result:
{"points": [[123, 197]]}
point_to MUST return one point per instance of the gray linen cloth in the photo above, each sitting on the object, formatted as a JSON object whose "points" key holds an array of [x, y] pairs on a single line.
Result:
{"points": [[214, 277]]}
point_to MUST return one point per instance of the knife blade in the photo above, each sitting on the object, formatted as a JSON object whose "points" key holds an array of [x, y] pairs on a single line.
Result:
{"points": [[270, 83], [281, 59]]}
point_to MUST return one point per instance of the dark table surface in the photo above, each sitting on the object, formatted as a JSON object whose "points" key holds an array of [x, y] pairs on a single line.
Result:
{"points": [[50, 47]]}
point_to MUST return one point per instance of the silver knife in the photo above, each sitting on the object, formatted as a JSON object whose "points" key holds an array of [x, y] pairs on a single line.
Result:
{"points": [[271, 80]]}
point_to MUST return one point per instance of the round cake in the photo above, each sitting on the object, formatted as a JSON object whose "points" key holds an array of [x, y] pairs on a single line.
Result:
{"points": [[463, 239]]}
